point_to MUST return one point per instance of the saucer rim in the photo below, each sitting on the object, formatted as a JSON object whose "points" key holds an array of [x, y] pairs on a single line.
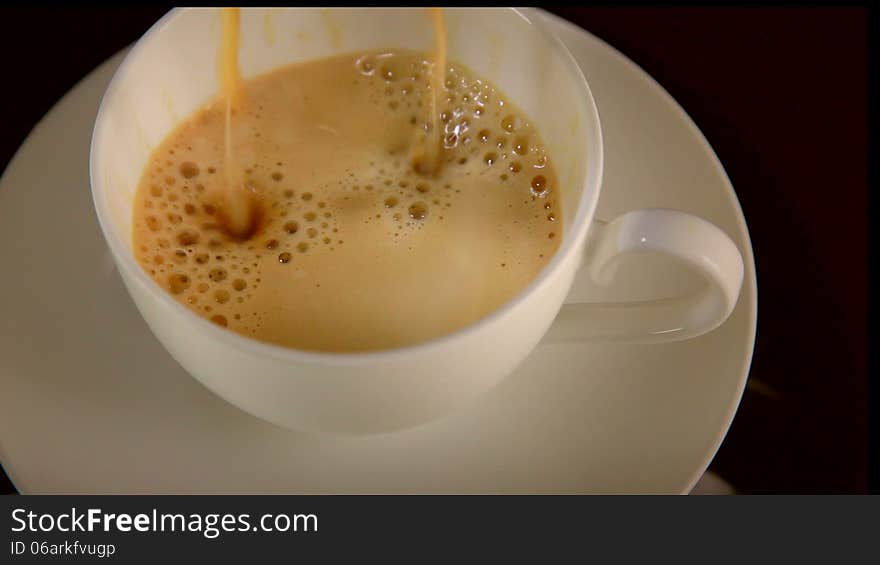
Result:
{"points": [[748, 252]]}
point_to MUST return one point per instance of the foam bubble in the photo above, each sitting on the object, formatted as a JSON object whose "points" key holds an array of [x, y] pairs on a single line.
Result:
{"points": [[178, 282], [187, 238], [189, 170], [509, 123], [418, 210], [218, 319], [539, 185], [217, 274], [366, 65]]}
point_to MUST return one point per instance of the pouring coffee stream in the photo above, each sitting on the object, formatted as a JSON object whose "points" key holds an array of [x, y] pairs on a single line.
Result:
{"points": [[238, 206], [426, 148], [239, 211]]}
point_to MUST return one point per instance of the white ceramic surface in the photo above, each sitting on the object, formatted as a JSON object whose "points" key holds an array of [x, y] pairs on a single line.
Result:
{"points": [[92, 403], [171, 71]]}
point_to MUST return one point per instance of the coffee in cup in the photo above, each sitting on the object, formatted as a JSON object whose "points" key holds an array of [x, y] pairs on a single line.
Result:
{"points": [[351, 247]]}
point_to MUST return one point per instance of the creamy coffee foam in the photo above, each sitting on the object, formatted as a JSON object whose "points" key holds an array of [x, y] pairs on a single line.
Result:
{"points": [[351, 248]]}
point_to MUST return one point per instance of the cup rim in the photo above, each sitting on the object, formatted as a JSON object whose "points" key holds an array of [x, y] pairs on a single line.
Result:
{"points": [[570, 245]]}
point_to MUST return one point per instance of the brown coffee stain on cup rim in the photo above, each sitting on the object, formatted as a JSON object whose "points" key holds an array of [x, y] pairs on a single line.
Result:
{"points": [[270, 30], [332, 28]]}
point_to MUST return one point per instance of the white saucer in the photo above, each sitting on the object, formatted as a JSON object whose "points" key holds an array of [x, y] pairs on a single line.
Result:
{"points": [[92, 403]]}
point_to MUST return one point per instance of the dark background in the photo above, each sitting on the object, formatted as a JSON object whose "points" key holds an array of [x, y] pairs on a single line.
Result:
{"points": [[780, 93]]}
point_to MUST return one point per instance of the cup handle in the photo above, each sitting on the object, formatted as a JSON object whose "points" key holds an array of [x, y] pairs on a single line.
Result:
{"points": [[690, 239]]}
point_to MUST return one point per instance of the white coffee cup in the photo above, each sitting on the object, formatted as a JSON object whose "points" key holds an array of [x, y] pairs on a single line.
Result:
{"points": [[172, 70]]}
